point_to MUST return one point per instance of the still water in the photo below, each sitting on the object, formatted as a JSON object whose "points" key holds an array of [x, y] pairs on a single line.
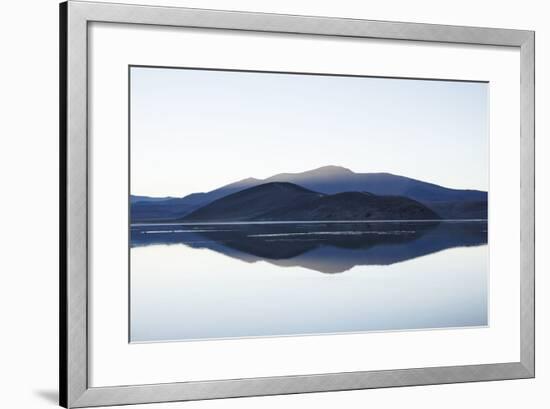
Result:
{"points": [[200, 281]]}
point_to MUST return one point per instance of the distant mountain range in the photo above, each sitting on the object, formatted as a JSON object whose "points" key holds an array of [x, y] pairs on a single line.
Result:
{"points": [[326, 193]]}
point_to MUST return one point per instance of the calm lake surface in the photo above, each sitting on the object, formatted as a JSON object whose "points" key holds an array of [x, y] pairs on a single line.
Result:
{"points": [[199, 281]]}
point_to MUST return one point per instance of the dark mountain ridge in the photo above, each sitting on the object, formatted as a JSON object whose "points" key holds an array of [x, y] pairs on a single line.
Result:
{"points": [[254, 203], [280, 201], [153, 209]]}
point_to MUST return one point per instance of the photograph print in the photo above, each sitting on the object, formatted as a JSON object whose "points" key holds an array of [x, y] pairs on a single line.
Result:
{"points": [[268, 204]]}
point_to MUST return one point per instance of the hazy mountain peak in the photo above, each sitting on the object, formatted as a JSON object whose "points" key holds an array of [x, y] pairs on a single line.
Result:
{"points": [[330, 170]]}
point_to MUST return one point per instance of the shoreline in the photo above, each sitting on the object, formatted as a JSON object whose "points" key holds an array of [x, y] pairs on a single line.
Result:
{"points": [[221, 223]]}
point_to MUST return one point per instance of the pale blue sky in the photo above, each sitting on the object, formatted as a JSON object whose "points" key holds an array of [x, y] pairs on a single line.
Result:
{"points": [[196, 130]]}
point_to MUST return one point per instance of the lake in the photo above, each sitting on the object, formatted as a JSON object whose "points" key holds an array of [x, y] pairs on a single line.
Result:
{"points": [[194, 281]]}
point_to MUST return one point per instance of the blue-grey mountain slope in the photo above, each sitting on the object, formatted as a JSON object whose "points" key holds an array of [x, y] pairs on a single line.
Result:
{"points": [[280, 201], [336, 179], [153, 209]]}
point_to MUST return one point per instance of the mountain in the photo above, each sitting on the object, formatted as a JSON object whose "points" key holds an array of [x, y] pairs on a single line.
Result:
{"points": [[356, 206], [158, 209], [336, 179], [165, 209], [278, 201], [446, 202], [254, 203], [204, 198], [469, 209]]}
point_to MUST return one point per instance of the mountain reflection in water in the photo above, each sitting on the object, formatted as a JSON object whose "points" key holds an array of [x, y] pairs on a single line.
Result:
{"points": [[324, 247]]}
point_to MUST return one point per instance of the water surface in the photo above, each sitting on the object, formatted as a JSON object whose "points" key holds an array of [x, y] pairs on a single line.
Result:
{"points": [[199, 281]]}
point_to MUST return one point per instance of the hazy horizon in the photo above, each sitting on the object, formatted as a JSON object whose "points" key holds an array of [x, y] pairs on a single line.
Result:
{"points": [[197, 130]]}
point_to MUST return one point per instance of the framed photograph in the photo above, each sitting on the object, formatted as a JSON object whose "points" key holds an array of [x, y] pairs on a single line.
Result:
{"points": [[258, 204]]}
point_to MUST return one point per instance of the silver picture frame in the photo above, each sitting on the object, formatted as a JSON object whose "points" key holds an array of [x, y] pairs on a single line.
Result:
{"points": [[75, 390]]}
